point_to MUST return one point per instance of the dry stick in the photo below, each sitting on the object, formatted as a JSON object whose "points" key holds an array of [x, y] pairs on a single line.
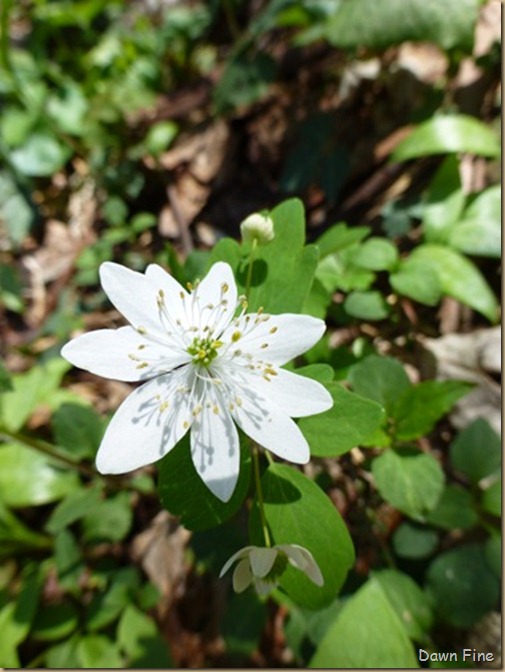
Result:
{"points": [[180, 220]]}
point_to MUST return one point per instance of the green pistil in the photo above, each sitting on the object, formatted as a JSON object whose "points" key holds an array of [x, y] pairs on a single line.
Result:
{"points": [[204, 350]]}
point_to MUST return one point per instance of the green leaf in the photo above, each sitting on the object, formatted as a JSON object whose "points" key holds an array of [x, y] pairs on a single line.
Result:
{"points": [[30, 478], [97, 651], [318, 300], [417, 280], [38, 386], [476, 451], [74, 507], [63, 655], [377, 25], [350, 422], [462, 585], [366, 305], [493, 553], [367, 633], [68, 13], [8, 649], [5, 379], [16, 617], [283, 270], [290, 266], [447, 134], [69, 109], [54, 621], [292, 504], [138, 637], [454, 510], [338, 271], [17, 211], [444, 202], [243, 624], [115, 213], [106, 607], [412, 483], [245, 80], [420, 406], [479, 230], [16, 537], [413, 542], [339, 236], [143, 221], [184, 494], [305, 627], [16, 124], [492, 498], [382, 379], [160, 136], [11, 289], [408, 600], [377, 254], [41, 155], [67, 555], [110, 519], [323, 373], [78, 429], [459, 278]]}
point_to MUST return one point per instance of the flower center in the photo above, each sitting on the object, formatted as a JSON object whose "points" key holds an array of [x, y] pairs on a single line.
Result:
{"points": [[204, 350]]}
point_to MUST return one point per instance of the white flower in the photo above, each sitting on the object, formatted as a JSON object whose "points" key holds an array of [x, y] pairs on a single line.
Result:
{"points": [[257, 227], [207, 368], [264, 566]]}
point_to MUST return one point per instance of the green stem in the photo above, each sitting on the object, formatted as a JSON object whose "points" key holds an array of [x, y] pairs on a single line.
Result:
{"points": [[250, 267], [47, 449], [259, 493], [4, 35], [231, 21], [116, 482]]}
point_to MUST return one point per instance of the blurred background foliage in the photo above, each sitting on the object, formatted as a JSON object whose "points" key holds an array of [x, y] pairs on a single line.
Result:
{"points": [[146, 131]]}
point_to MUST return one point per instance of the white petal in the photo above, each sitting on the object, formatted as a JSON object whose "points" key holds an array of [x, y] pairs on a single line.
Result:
{"points": [[271, 428], [242, 576], [262, 561], [278, 339], [121, 354], [242, 553], [133, 295], [293, 394], [143, 429], [176, 297], [215, 447], [264, 587], [216, 296], [303, 560]]}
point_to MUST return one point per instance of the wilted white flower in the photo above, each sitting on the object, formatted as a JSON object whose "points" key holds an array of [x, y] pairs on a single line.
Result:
{"points": [[263, 567], [257, 227], [207, 368]]}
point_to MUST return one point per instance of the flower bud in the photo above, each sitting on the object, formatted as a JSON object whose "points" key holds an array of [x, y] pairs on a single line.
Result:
{"points": [[257, 227]]}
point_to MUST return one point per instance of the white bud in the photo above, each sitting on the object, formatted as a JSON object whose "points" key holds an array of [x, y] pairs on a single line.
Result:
{"points": [[257, 227]]}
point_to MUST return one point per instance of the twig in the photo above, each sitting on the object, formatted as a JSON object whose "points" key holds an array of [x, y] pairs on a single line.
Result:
{"points": [[181, 221]]}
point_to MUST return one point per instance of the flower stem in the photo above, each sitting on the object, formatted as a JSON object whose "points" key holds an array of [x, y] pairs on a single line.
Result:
{"points": [[116, 482], [250, 267], [47, 449], [259, 493]]}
